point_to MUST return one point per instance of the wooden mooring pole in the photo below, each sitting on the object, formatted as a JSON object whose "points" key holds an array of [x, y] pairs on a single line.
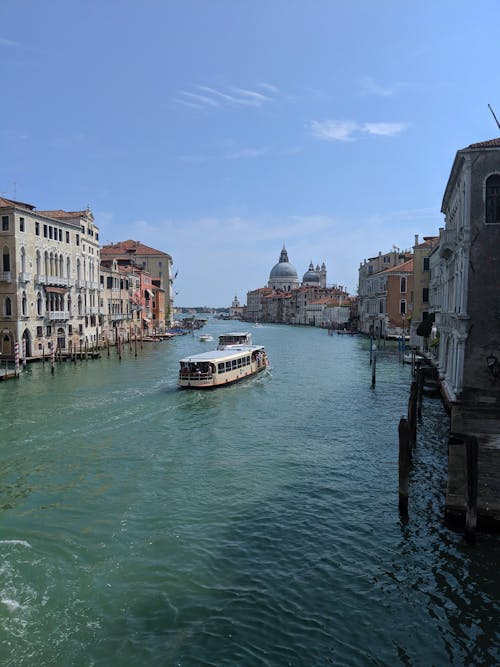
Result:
{"points": [[404, 463], [374, 364], [471, 473], [412, 414]]}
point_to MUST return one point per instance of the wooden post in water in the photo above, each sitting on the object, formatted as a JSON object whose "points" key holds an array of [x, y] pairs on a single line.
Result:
{"points": [[412, 414], [371, 348], [404, 463], [43, 354], [374, 364], [420, 390], [471, 474], [135, 341], [130, 338]]}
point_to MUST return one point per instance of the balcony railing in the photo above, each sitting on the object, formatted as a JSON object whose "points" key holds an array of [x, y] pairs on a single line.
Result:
{"points": [[81, 283], [24, 277], [57, 315], [60, 281], [5, 276], [119, 316]]}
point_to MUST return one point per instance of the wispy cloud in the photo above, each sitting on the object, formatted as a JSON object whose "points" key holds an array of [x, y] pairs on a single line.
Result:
{"points": [[8, 42], [350, 130], [370, 87], [203, 97]]}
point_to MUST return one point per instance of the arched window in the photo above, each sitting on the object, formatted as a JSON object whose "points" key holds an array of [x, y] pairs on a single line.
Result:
{"points": [[61, 266], [23, 260], [493, 199], [6, 259], [403, 284], [38, 262], [46, 263], [68, 268], [24, 304], [8, 306], [39, 304]]}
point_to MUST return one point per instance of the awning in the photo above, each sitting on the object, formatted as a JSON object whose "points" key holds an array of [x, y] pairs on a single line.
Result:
{"points": [[56, 290]]}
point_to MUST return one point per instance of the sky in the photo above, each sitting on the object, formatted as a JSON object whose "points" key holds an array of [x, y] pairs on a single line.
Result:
{"points": [[220, 130]]}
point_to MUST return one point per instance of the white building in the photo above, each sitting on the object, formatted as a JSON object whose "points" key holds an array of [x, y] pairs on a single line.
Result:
{"points": [[49, 279]]}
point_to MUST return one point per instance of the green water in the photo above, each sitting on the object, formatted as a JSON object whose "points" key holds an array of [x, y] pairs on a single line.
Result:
{"points": [[252, 525]]}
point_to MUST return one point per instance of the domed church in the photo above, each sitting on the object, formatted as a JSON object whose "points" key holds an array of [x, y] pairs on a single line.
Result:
{"points": [[283, 275]]}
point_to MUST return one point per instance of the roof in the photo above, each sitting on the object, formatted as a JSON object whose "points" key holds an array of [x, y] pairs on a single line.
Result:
{"points": [[130, 248], [428, 242], [60, 214], [406, 267], [214, 355], [490, 143], [11, 202]]}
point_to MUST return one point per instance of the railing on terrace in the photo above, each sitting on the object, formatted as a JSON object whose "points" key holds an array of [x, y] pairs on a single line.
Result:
{"points": [[5, 276], [57, 315], [24, 277]]}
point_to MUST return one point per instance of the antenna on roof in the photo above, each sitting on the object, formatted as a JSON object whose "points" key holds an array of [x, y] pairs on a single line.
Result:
{"points": [[496, 119]]}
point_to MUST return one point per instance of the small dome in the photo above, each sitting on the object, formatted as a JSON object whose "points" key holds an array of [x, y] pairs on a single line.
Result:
{"points": [[311, 276]]}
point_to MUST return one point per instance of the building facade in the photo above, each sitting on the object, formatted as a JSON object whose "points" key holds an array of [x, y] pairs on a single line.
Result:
{"points": [[465, 277], [372, 290], [49, 279]]}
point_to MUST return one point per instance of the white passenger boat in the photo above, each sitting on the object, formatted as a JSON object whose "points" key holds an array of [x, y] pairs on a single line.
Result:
{"points": [[205, 338], [235, 359]]}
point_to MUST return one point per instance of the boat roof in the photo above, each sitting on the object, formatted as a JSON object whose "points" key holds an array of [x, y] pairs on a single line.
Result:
{"points": [[235, 333], [223, 355]]}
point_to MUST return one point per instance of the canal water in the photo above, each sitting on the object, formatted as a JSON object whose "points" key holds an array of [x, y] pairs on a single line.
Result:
{"points": [[254, 525]]}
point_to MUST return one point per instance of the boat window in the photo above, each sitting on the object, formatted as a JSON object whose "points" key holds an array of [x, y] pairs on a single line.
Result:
{"points": [[233, 363], [222, 368], [239, 363], [228, 365]]}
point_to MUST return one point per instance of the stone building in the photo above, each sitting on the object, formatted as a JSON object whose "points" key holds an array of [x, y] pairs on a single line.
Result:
{"points": [[465, 283], [49, 279], [372, 290], [155, 262], [421, 285]]}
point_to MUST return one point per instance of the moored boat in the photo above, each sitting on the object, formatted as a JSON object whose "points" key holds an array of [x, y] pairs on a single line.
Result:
{"points": [[235, 359], [205, 338]]}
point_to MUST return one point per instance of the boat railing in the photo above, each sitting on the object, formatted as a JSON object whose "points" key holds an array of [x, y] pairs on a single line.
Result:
{"points": [[194, 375]]}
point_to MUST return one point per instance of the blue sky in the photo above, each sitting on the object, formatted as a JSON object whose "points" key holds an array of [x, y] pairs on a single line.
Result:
{"points": [[219, 130]]}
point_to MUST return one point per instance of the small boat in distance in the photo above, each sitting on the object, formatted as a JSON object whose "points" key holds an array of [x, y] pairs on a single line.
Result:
{"points": [[234, 359], [205, 338]]}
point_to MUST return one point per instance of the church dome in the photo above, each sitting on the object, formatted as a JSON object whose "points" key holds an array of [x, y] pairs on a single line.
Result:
{"points": [[283, 274], [311, 276]]}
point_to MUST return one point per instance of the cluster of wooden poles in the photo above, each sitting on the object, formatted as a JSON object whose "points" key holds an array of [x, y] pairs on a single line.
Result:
{"points": [[407, 432]]}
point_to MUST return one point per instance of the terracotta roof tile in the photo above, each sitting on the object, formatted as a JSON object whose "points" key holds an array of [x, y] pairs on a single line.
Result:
{"points": [[11, 202], [130, 248], [59, 214], [491, 143], [406, 267]]}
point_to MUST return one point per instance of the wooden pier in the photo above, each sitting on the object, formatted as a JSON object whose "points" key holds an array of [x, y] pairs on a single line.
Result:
{"points": [[473, 489]]}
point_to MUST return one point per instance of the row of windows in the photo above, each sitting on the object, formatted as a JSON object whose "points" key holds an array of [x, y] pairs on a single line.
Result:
{"points": [[232, 365], [49, 232]]}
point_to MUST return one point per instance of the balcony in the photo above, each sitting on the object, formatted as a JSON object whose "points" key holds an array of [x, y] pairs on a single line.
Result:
{"points": [[24, 277], [119, 316], [94, 310], [57, 315], [41, 279], [81, 284], [91, 284], [5, 276]]}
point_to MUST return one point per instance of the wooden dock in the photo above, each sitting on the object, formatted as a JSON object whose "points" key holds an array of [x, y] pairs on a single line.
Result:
{"points": [[473, 489]]}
